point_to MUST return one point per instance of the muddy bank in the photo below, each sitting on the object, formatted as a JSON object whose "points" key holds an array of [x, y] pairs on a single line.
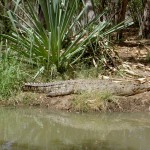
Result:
{"points": [[135, 103]]}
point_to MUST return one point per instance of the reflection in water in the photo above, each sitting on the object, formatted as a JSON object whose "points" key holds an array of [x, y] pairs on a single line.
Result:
{"points": [[36, 129]]}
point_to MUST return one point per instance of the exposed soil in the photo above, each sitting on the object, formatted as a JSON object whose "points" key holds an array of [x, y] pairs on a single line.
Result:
{"points": [[135, 103], [138, 102]]}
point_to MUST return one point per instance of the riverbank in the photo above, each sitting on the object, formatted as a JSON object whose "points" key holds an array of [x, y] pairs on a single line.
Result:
{"points": [[83, 103], [135, 66]]}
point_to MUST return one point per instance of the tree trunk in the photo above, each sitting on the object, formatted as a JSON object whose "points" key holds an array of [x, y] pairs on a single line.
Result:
{"points": [[121, 16], [145, 25], [90, 10]]}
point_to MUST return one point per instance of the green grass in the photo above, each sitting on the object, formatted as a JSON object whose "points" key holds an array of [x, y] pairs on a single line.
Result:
{"points": [[89, 72], [11, 76], [93, 101]]}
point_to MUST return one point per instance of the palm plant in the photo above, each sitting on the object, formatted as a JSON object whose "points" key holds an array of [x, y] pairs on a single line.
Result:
{"points": [[61, 43]]}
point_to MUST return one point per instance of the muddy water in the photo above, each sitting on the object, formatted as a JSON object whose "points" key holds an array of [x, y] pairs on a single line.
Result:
{"points": [[38, 129]]}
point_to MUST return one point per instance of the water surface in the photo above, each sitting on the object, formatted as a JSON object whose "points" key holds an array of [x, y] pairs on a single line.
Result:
{"points": [[39, 129]]}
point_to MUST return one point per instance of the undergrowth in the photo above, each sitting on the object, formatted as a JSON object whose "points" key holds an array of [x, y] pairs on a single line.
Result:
{"points": [[11, 75], [94, 101]]}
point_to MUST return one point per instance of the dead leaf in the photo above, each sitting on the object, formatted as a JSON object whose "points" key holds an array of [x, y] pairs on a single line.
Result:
{"points": [[131, 72]]}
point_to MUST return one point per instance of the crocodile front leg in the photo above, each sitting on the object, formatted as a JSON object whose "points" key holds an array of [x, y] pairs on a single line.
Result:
{"points": [[61, 91]]}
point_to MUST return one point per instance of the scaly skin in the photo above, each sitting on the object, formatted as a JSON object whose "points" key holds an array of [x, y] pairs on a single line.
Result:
{"points": [[60, 88]]}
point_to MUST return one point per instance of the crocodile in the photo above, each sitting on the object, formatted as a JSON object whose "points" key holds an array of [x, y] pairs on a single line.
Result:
{"points": [[61, 88]]}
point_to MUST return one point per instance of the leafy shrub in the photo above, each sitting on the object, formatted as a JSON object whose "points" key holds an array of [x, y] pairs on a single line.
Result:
{"points": [[63, 41]]}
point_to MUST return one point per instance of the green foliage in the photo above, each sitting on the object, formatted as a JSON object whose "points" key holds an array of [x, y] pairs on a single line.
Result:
{"points": [[5, 24], [63, 41], [136, 9], [43, 46], [11, 75], [88, 72]]}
